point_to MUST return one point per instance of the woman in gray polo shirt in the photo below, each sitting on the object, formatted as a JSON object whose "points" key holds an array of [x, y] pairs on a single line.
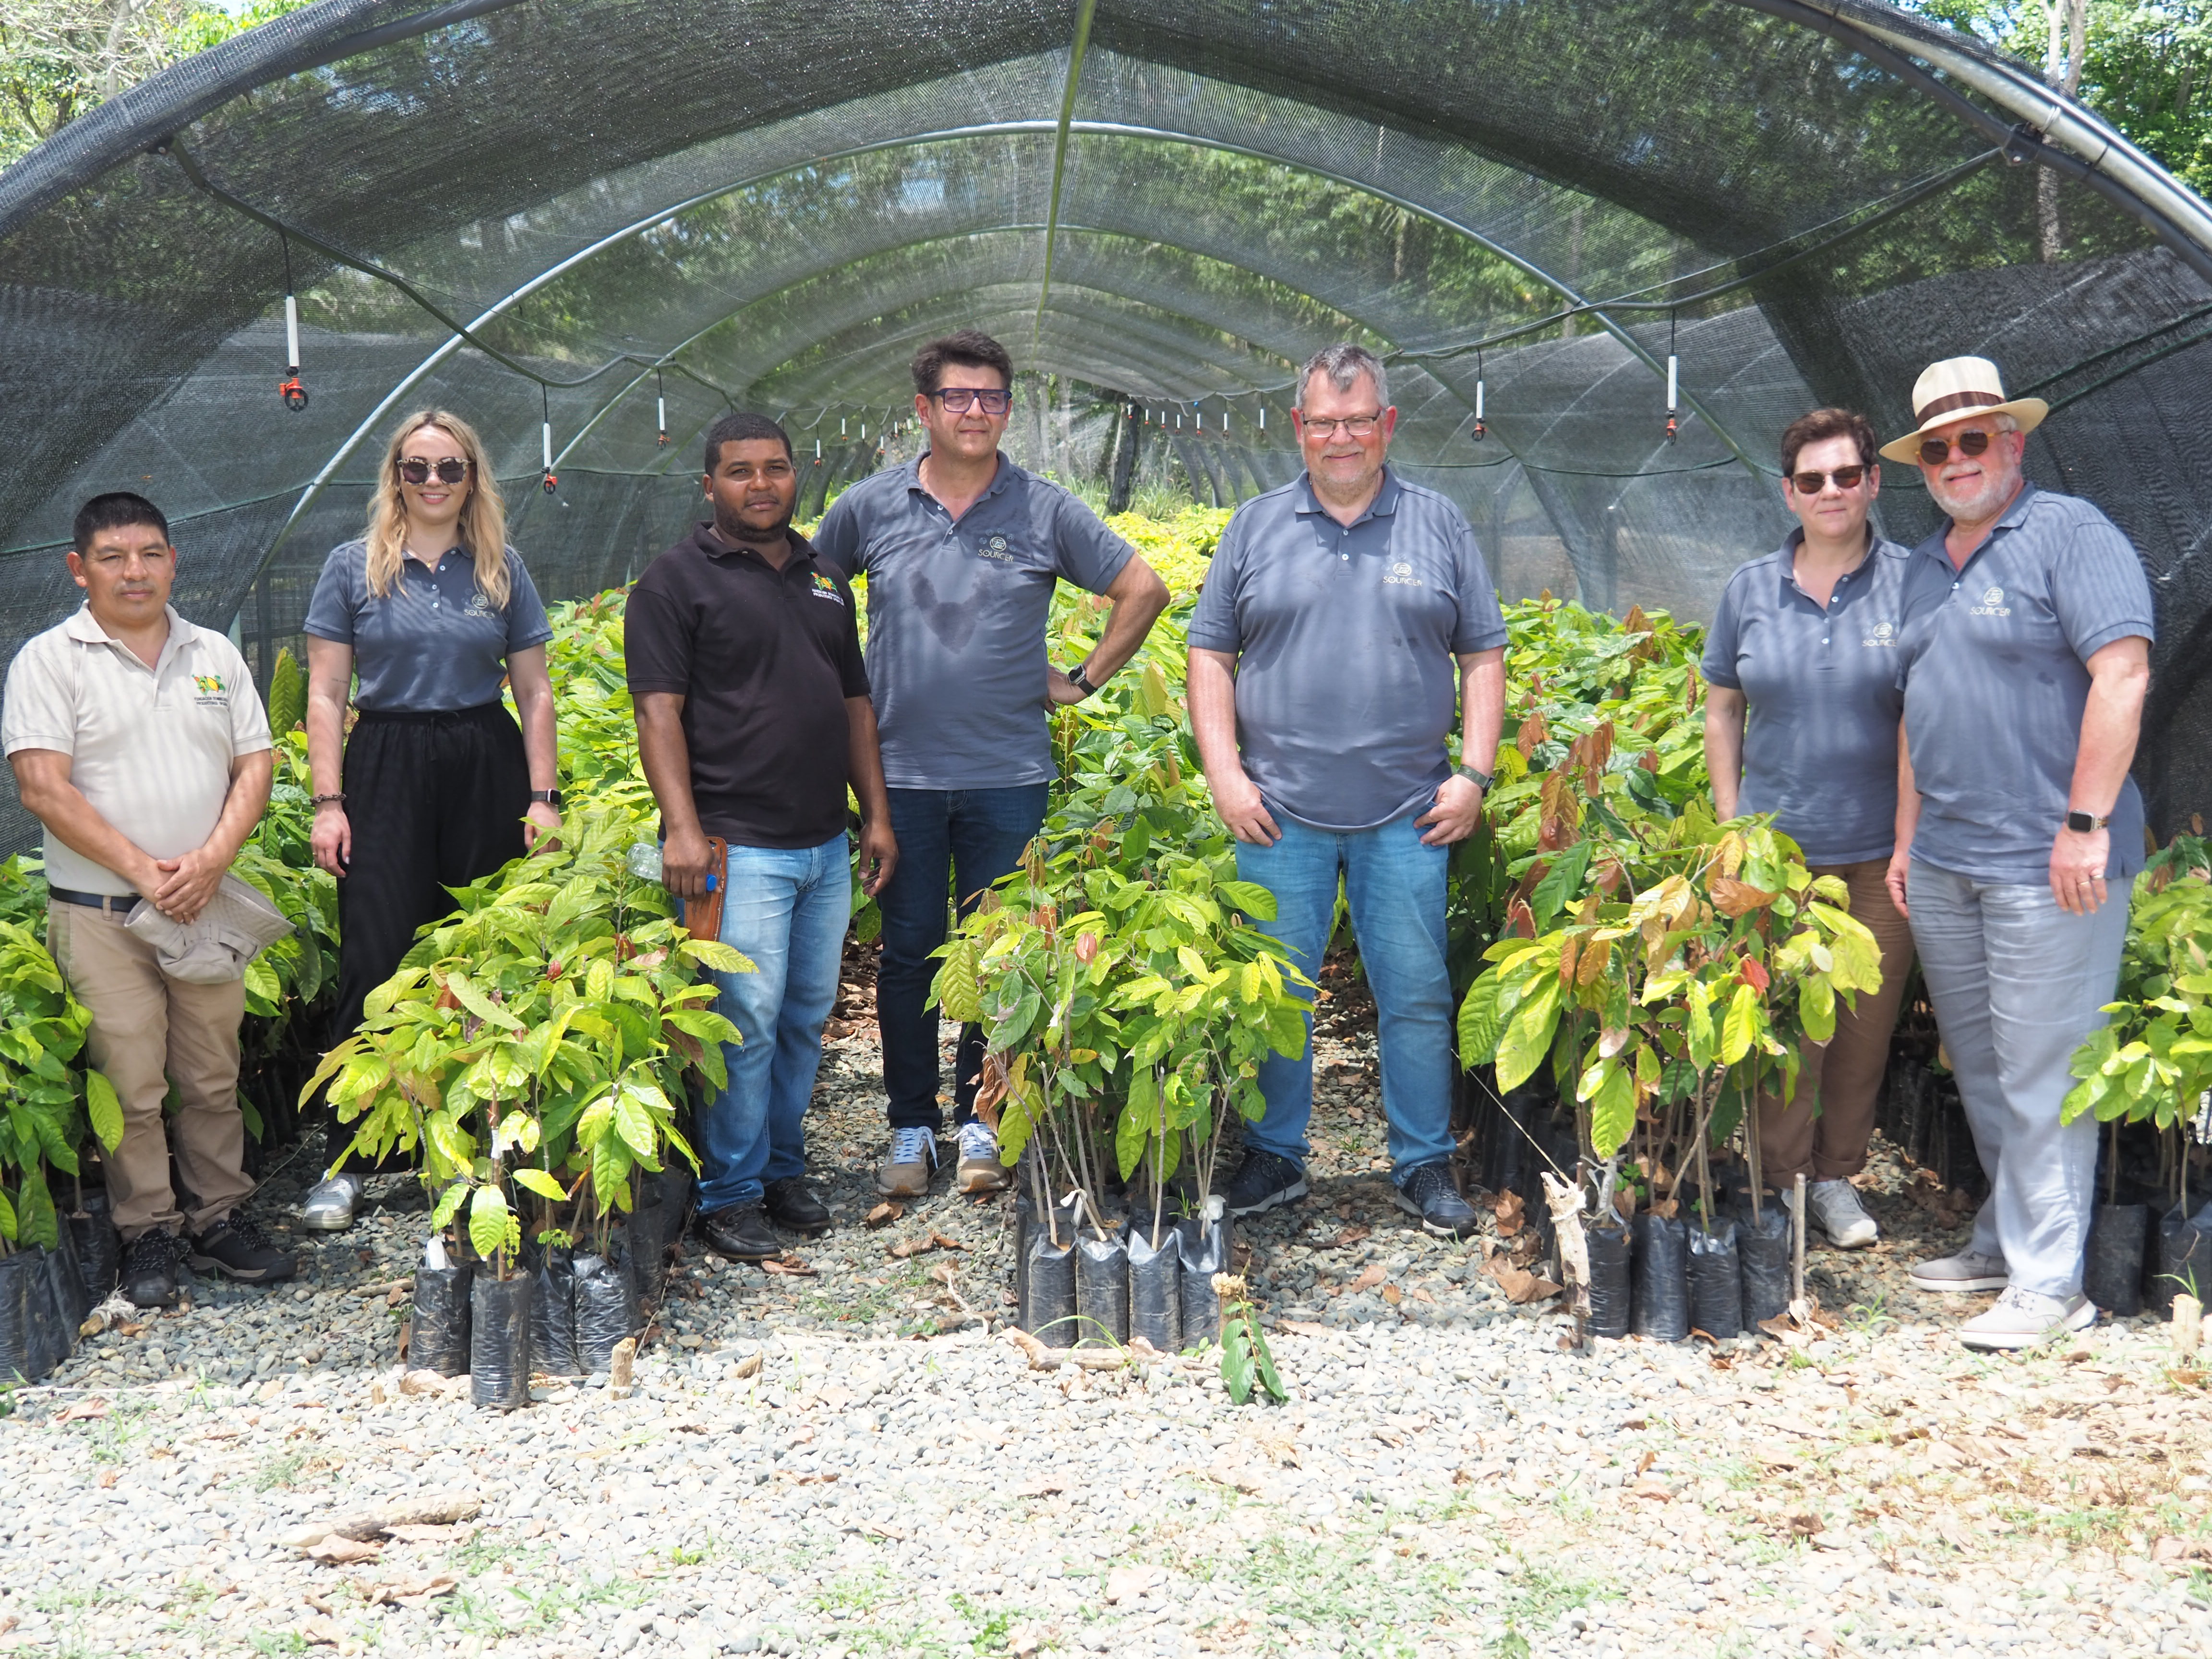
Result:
{"points": [[1801, 717], [431, 610]]}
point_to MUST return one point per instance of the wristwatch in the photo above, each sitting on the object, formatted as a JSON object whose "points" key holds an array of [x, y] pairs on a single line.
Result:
{"points": [[1080, 680], [550, 797], [1479, 780], [2082, 824]]}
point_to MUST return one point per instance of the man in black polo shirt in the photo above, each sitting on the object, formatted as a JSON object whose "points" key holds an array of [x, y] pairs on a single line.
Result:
{"points": [[752, 717]]}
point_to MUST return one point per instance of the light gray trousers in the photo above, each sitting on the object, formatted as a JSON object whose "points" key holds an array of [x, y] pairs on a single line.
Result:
{"points": [[2018, 983]]}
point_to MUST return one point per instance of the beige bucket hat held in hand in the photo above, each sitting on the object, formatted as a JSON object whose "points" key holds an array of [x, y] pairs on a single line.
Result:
{"points": [[1958, 386], [238, 922]]}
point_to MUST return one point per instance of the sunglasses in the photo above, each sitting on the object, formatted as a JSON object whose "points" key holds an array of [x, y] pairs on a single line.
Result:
{"points": [[1812, 483], [959, 399], [1934, 451], [417, 471]]}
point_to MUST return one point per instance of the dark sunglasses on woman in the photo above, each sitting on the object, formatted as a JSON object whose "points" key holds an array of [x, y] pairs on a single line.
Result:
{"points": [[415, 470], [1812, 483]]}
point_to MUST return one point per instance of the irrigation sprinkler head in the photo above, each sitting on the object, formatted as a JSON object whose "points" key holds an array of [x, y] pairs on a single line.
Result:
{"points": [[550, 481], [294, 394]]}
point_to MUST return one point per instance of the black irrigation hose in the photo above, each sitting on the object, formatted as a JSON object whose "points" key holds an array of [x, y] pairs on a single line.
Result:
{"points": [[182, 157]]}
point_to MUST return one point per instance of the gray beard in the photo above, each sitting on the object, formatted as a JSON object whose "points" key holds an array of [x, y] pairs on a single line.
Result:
{"points": [[1981, 503]]}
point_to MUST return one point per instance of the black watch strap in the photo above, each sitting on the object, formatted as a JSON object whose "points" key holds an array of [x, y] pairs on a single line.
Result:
{"points": [[550, 797], [1081, 681]]}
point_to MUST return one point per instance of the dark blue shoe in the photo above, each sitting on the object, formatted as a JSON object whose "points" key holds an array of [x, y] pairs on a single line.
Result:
{"points": [[1429, 1192], [1262, 1181]]}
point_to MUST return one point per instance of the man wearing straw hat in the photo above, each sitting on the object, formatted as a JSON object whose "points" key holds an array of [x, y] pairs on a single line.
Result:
{"points": [[2025, 658]]}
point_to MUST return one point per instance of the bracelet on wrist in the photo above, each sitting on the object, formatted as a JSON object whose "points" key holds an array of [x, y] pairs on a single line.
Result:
{"points": [[319, 802]]}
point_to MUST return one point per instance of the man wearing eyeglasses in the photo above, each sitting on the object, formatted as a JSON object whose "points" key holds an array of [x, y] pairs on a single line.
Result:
{"points": [[1346, 618], [962, 550], [2026, 658]]}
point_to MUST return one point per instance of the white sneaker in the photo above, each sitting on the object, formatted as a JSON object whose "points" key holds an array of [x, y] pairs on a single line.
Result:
{"points": [[2024, 1319], [328, 1205], [1835, 1210], [906, 1172], [979, 1170], [1967, 1270]]}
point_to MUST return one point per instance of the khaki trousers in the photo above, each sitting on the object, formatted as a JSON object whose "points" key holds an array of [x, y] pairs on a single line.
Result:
{"points": [[148, 1029], [1822, 1133]]}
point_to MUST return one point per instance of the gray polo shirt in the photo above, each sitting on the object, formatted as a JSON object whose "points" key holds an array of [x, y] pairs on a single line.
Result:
{"points": [[434, 643], [1994, 671], [957, 617], [1344, 637], [1822, 703]]}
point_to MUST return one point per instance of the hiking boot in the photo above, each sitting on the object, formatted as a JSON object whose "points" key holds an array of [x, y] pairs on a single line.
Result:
{"points": [[913, 1160], [1833, 1207], [1967, 1270], [2027, 1319], [150, 1269], [741, 1232], [1429, 1192], [1262, 1181], [328, 1205], [790, 1203], [237, 1249], [979, 1170]]}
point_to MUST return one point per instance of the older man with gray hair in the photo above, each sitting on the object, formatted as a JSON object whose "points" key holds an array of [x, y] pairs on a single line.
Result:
{"points": [[2025, 657], [1346, 618]]}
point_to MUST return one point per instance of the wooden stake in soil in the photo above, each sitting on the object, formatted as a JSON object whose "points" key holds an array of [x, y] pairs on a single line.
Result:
{"points": [[1797, 1244], [2188, 1325]]}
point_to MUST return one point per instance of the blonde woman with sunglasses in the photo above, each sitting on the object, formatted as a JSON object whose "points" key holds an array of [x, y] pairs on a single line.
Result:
{"points": [[418, 623]]}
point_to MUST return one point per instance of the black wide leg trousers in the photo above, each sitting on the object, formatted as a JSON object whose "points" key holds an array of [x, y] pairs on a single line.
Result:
{"points": [[435, 801]]}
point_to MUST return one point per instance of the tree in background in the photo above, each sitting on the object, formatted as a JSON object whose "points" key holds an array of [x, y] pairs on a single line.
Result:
{"points": [[2141, 64], [60, 58]]}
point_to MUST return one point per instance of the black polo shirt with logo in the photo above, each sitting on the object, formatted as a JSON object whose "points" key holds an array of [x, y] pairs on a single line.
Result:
{"points": [[764, 661]]}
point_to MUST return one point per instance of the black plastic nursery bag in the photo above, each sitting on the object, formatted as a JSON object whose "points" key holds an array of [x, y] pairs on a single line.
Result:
{"points": [[1764, 1257], [99, 1251], [1608, 1288], [1049, 1315], [2181, 1260], [1102, 1290], [438, 1328], [1156, 1288], [499, 1342], [1716, 1281], [607, 1306], [2113, 1264], [1204, 1253], [1661, 1278], [553, 1311]]}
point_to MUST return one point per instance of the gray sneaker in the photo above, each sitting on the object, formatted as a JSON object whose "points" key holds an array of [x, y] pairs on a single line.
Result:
{"points": [[1833, 1207], [2027, 1319], [329, 1206], [905, 1173], [1967, 1270]]}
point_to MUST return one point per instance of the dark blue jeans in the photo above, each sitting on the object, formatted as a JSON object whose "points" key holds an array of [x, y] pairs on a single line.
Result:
{"points": [[965, 840]]}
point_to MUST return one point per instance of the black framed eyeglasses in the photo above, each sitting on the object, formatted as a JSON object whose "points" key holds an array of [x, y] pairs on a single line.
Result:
{"points": [[1812, 483], [1934, 451], [959, 399], [1356, 426], [417, 471]]}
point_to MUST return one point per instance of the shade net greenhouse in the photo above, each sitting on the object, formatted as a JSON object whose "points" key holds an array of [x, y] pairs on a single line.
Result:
{"points": [[577, 214]]}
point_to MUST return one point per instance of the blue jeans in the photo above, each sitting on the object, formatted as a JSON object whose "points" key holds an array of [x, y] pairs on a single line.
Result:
{"points": [[1396, 886], [969, 838], [786, 909], [2018, 983]]}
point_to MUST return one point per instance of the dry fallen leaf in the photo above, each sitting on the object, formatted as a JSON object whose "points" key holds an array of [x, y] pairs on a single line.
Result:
{"points": [[790, 1264], [1127, 1583], [1301, 1327], [341, 1551], [1508, 1209], [409, 1592], [82, 1411], [1368, 1280], [884, 1213], [422, 1383], [1519, 1284], [1804, 1526], [1393, 1295], [748, 1366]]}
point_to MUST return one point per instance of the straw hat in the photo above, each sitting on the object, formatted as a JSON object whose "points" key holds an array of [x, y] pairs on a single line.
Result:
{"points": [[1957, 386]]}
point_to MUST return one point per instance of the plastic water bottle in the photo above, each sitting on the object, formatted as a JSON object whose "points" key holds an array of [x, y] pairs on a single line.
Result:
{"points": [[645, 863]]}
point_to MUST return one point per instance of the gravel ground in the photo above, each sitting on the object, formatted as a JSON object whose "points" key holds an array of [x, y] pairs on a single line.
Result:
{"points": [[846, 1460]]}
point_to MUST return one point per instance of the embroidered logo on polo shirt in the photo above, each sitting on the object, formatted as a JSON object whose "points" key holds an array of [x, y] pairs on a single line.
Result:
{"points": [[210, 688], [478, 603], [1400, 575], [1884, 637], [823, 588], [996, 547], [1992, 604]]}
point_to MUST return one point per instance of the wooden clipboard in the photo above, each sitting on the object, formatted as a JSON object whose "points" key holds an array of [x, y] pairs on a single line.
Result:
{"points": [[703, 917]]}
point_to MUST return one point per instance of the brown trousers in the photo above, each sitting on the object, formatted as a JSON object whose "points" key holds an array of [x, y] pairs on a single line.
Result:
{"points": [[1822, 1133], [148, 1029]]}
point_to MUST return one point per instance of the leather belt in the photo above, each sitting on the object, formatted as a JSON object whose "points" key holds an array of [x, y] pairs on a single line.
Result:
{"points": [[120, 904]]}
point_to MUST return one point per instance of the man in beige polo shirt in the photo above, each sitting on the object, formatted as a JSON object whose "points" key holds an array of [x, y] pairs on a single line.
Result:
{"points": [[138, 741]]}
